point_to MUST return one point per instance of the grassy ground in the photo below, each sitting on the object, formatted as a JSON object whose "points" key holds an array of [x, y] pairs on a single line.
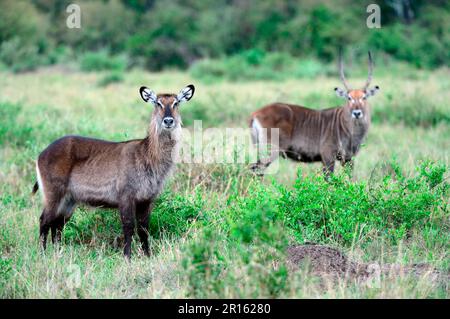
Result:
{"points": [[218, 231]]}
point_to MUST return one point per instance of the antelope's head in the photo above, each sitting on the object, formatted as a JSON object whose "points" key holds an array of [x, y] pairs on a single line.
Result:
{"points": [[357, 98], [166, 113]]}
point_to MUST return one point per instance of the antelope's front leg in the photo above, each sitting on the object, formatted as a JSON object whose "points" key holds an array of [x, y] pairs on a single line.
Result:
{"points": [[328, 168], [328, 161], [348, 164], [143, 211]]}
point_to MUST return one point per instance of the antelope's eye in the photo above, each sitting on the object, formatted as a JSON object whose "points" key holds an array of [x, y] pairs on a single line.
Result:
{"points": [[160, 105], [364, 97], [349, 98], [175, 104]]}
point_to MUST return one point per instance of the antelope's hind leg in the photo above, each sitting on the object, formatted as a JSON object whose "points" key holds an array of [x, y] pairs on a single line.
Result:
{"points": [[264, 161], [44, 227], [65, 210], [47, 220], [259, 140]]}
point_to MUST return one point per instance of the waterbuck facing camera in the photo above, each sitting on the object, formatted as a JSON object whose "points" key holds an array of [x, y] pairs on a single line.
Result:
{"points": [[125, 175], [309, 135]]}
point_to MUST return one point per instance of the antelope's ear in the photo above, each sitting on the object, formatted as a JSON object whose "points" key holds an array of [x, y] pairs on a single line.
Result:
{"points": [[147, 95], [372, 91], [340, 92], [186, 94]]}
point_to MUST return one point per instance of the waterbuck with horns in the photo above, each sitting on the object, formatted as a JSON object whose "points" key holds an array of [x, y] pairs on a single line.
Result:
{"points": [[308, 135], [125, 175]]}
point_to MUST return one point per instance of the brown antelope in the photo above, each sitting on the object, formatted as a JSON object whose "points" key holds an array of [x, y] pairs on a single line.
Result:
{"points": [[308, 135], [125, 175]]}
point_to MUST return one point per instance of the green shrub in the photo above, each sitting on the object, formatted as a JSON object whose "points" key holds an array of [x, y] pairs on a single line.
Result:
{"points": [[101, 60], [23, 44], [317, 210], [19, 57], [309, 68], [208, 70], [60, 54], [113, 77], [411, 43], [250, 239], [337, 211], [203, 265], [171, 34], [104, 24], [256, 65], [165, 36], [174, 214]]}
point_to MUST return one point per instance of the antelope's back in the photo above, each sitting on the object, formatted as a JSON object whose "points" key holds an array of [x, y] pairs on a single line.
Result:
{"points": [[62, 155], [288, 118]]}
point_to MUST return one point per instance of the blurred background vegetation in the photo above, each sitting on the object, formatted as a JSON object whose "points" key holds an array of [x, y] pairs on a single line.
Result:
{"points": [[231, 39]]}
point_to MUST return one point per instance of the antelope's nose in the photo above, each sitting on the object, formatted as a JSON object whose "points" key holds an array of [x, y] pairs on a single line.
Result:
{"points": [[357, 114], [168, 121]]}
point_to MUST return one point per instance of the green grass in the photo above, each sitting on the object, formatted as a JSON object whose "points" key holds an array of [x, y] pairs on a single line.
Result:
{"points": [[217, 231]]}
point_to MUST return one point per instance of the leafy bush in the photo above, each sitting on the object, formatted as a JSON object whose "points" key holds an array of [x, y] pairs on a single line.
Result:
{"points": [[156, 38], [251, 240], [165, 39], [19, 57], [309, 68], [104, 25], [113, 77], [337, 211], [60, 55], [173, 215], [413, 44], [257, 65], [101, 60], [23, 44]]}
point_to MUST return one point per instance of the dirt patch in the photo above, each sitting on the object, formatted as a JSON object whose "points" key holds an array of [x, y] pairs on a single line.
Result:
{"points": [[326, 261]]}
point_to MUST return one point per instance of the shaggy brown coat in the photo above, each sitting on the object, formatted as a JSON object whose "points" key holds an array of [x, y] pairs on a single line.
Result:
{"points": [[125, 175]]}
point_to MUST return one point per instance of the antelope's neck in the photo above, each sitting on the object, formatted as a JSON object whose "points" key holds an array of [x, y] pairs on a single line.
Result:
{"points": [[160, 148], [356, 131]]}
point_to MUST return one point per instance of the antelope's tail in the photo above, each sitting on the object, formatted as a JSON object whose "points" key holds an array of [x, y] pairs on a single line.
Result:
{"points": [[35, 188], [256, 127]]}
